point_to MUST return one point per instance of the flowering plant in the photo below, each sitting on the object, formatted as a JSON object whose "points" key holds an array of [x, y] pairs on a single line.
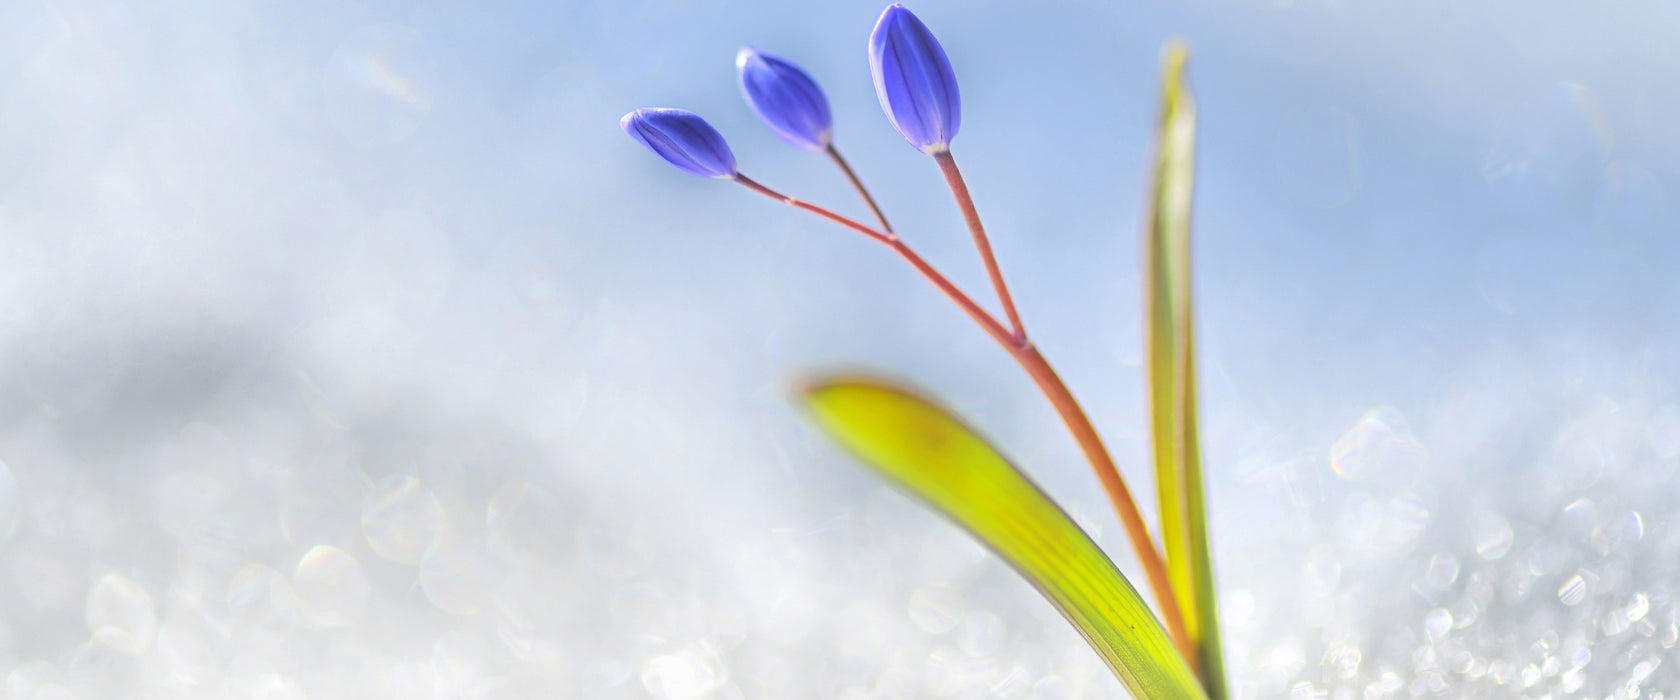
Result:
{"points": [[923, 449]]}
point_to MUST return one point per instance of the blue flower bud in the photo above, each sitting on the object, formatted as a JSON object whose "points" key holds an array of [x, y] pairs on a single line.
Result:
{"points": [[913, 80], [683, 139], [785, 98]]}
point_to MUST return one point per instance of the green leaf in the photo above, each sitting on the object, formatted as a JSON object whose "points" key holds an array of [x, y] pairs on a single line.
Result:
{"points": [[922, 449], [1172, 373]]}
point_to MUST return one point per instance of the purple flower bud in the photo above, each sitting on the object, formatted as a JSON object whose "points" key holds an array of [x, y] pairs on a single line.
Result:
{"points": [[683, 139], [913, 80], [785, 98]]}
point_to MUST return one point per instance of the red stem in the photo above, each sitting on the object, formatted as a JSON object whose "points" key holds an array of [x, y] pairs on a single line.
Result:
{"points": [[954, 178], [1084, 433], [814, 209], [857, 184]]}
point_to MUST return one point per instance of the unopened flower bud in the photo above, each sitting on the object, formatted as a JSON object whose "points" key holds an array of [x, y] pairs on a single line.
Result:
{"points": [[913, 80], [683, 139], [785, 98]]}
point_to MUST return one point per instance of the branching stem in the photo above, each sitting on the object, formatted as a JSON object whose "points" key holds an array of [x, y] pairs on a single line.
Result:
{"points": [[1030, 359], [959, 188], [857, 184]]}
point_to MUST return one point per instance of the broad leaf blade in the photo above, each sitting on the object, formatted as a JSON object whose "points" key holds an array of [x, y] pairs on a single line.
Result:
{"points": [[1172, 374], [925, 451]]}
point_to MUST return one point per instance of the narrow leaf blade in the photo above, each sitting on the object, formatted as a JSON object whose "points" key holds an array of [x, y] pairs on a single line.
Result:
{"points": [[924, 450], [1172, 373]]}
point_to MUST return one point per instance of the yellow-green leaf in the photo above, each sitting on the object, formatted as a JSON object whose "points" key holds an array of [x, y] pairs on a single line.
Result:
{"points": [[922, 449], [1172, 373]]}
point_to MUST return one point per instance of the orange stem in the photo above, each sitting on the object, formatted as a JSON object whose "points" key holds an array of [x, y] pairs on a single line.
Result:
{"points": [[1079, 425], [959, 188], [857, 184]]}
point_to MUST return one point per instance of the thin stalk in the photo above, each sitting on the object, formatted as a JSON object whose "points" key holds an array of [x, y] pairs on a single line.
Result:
{"points": [[959, 188], [1119, 496], [1078, 424], [753, 185], [857, 184]]}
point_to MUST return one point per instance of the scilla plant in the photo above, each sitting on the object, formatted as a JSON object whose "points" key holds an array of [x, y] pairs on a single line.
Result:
{"points": [[923, 449]]}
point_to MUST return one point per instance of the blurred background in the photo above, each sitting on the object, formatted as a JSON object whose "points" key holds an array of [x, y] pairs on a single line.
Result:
{"points": [[348, 349]]}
